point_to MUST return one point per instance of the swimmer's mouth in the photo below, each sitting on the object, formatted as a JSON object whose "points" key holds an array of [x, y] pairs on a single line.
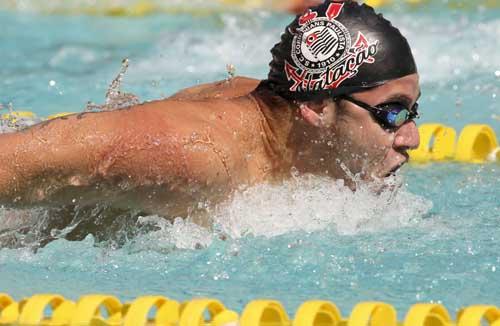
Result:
{"points": [[393, 171]]}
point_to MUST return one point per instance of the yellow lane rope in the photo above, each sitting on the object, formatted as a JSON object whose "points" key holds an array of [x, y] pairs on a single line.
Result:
{"points": [[103, 310]]}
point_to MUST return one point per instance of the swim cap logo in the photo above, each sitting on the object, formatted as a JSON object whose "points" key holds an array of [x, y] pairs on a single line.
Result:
{"points": [[322, 52]]}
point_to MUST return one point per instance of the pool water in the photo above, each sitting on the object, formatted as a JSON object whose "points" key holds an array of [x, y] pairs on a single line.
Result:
{"points": [[435, 238]]}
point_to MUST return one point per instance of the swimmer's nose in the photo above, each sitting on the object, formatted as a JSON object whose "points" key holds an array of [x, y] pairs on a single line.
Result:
{"points": [[407, 137]]}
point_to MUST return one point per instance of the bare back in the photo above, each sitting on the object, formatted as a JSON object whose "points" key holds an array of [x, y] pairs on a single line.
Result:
{"points": [[200, 143]]}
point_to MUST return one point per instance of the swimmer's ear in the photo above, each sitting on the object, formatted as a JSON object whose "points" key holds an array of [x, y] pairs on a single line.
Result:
{"points": [[309, 115], [323, 116]]}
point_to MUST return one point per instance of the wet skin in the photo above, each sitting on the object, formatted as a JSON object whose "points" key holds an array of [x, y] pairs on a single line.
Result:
{"points": [[359, 142], [200, 144]]}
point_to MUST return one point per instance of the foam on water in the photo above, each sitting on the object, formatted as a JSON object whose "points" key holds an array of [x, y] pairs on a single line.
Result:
{"points": [[179, 234], [304, 204], [311, 204]]}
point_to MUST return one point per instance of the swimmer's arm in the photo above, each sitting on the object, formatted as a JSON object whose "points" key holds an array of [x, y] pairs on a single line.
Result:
{"points": [[37, 162], [116, 151]]}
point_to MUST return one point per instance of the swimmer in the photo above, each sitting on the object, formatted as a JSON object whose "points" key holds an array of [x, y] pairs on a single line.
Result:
{"points": [[340, 99]]}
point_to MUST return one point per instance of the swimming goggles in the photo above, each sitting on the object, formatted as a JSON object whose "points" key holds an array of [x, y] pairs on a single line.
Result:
{"points": [[390, 115]]}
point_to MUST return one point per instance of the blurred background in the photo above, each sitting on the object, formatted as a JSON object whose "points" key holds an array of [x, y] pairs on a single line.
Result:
{"points": [[58, 55]]}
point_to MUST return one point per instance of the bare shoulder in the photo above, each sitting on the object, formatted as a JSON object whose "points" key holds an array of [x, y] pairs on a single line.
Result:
{"points": [[224, 89], [204, 139]]}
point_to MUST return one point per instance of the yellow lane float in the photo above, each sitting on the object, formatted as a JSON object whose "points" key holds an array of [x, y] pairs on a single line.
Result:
{"points": [[264, 312], [193, 313], [107, 310], [58, 115], [89, 311], [138, 311], [437, 143], [9, 310], [476, 314], [313, 312], [476, 144], [33, 311]]}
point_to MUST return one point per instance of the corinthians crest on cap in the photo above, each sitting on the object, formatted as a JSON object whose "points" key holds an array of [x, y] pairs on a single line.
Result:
{"points": [[323, 54]]}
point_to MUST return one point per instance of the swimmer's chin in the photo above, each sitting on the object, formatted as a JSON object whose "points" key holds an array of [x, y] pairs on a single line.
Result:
{"points": [[375, 182], [384, 175], [390, 182]]}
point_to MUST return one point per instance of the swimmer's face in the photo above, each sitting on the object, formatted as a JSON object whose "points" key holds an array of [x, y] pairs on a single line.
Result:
{"points": [[362, 144]]}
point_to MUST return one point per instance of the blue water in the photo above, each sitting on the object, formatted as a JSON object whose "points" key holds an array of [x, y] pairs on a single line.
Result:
{"points": [[437, 239]]}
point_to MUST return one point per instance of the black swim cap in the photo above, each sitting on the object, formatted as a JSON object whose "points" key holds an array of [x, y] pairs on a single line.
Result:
{"points": [[336, 48]]}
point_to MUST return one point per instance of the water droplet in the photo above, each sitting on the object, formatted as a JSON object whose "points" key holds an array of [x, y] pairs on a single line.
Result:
{"points": [[115, 99], [52, 83], [497, 73], [231, 71]]}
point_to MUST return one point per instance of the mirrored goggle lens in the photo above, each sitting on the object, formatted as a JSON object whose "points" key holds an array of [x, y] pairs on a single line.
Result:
{"points": [[401, 117], [396, 114]]}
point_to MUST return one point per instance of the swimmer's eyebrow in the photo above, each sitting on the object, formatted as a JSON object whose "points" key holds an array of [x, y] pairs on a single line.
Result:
{"points": [[402, 98]]}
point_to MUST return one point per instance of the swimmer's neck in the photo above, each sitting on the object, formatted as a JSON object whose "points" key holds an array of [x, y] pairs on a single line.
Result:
{"points": [[276, 126], [295, 144], [291, 144]]}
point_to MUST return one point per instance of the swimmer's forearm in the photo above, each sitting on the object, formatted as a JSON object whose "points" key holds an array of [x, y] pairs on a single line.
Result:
{"points": [[8, 179], [14, 178], [43, 159], [17, 166]]}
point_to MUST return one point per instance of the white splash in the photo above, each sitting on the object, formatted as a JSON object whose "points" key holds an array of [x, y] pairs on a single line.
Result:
{"points": [[14, 120], [180, 234], [303, 204], [115, 98], [494, 155], [313, 203]]}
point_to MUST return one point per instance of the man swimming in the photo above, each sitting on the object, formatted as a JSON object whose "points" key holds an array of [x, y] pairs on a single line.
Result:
{"points": [[339, 100]]}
